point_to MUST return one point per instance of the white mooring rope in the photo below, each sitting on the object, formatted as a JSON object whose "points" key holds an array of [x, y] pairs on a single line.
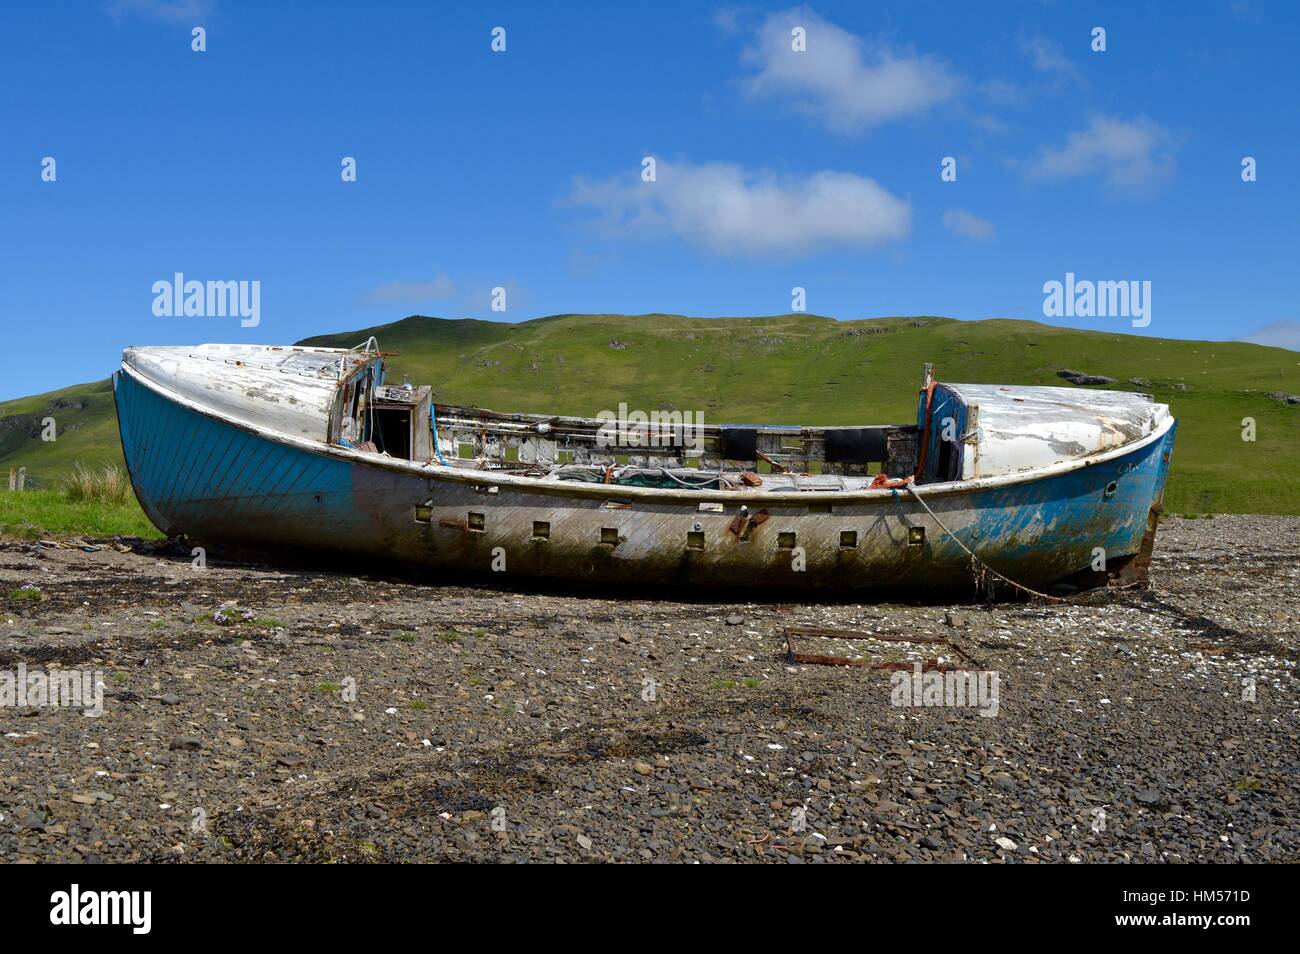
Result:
{"points": [[975, 559]]}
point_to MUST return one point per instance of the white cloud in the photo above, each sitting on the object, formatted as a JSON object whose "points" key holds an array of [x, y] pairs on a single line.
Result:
{"points": [[729, 19], [731, 210], [1002, 93], [963, 223], [844, 81], [412, 293], [472, 295], [1278, 334], [1244, 11], [190, 12], [1048, 57], [1123, 152]]}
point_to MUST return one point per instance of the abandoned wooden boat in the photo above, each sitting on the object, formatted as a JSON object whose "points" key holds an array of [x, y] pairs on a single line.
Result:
{"points": [[311, 450]]}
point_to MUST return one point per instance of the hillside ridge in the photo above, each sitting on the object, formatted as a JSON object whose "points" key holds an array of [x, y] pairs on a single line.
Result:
{"points": [[792, 368]]}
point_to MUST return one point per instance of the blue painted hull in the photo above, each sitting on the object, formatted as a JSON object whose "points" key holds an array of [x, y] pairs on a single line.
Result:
{"points": [[212, 481]]}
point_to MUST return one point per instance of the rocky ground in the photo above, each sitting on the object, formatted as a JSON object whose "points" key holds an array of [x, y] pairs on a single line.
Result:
{"points": [[327, 717]]}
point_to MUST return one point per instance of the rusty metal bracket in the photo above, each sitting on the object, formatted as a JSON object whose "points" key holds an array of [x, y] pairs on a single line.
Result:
{"points": [[743, 526]]}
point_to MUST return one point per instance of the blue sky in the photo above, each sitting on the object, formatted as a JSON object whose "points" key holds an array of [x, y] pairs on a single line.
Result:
{"points": [[522, 169]]}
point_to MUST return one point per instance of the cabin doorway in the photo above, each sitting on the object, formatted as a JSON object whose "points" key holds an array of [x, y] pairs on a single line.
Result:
{"points": [[392, 431], [945, 469]]}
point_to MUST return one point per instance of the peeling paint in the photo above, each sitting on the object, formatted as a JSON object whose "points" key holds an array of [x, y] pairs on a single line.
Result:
{"points": [[1024, 429]]}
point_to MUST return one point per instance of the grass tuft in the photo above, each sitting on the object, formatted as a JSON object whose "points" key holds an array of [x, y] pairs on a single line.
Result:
{"points": [[107, 485]]}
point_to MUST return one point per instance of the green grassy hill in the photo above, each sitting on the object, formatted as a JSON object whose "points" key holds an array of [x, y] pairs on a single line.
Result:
{"points": [[796, 369], [85, 430]]}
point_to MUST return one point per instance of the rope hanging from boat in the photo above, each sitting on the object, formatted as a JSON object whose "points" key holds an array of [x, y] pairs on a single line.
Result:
{"points": [[703, 484], [925, 431], [433, 428], [984, 568]]}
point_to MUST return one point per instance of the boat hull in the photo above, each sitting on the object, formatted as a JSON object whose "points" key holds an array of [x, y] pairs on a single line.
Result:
{"points": [[215, 481]]}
